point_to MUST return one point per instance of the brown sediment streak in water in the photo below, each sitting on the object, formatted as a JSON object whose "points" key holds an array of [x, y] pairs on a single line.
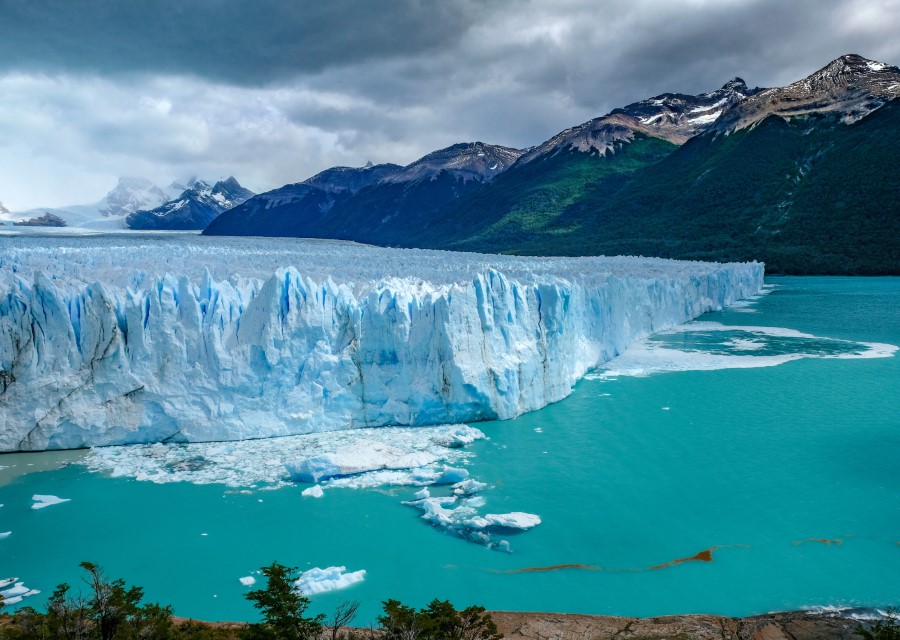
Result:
{"points": [[826, 541], [556, 567], [702, 556]]}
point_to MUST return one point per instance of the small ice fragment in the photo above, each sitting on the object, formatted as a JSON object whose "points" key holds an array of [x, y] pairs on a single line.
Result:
{"points": [[204, 534], [314, 491], [248, 581], [513, 520], [421, 495], [41, 501], [538, 430], [5, 534], [665, 408], [318, 580], [503, 545], [468, 487], [452, 475]]}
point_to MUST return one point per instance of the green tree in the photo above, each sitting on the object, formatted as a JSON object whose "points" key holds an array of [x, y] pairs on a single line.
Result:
{"points": [[283, 608], [438, 621]]}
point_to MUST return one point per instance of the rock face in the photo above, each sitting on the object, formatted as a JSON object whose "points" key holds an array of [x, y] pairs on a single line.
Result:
{"points": [[293, 337], [674, 117], [851, 85], [776, 626], [46, 220], [194, 209], [467, 161]]}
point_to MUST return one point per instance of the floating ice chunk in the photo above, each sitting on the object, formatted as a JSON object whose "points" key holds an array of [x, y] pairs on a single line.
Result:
{"points": [[314, 491], [42, 501], [503, 545], [248, 581], [17, 590], [5, 582], [513, 520], [460, 436], [318, 580], [468, 487], [475, 502], [359, 457], [452, 475], [421, 495], [5, 534]]}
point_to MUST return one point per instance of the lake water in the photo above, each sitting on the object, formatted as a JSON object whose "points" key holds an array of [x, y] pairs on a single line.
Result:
{"points": [[698, 489]]}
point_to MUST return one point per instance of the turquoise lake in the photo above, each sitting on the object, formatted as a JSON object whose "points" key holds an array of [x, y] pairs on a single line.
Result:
{"points": [[785, 478]]}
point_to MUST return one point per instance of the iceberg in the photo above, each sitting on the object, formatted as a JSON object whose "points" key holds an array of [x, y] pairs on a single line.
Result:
{"points": [[313, 492], [247, 581], [196, 339], [42, 501], [316, 580]]}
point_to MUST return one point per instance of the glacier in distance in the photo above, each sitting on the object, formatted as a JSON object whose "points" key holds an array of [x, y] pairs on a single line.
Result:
{"points": [[182, 338]]}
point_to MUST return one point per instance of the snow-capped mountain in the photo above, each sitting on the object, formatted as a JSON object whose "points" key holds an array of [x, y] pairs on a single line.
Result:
{"points": [[467, 160], [194, 208], [132, 194], [3, 209], [675, 117], [850, 85], [129, 194]]}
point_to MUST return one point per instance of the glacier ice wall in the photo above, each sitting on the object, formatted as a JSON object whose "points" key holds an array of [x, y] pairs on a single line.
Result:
{"points": [[183, 339]]}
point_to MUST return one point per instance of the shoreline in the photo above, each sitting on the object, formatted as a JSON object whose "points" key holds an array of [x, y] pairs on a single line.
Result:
{"points": [[785, 625]]}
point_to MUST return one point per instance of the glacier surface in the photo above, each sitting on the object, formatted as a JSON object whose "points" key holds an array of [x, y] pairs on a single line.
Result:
{"points": [[179, 338]]}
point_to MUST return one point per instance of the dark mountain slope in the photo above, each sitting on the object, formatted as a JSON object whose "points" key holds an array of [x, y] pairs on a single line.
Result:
{"points": [[807, 194]]}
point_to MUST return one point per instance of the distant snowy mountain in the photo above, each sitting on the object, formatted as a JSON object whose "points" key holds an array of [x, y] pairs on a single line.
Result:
{"points": [[193, 209], [130, 194], [3, 210]]}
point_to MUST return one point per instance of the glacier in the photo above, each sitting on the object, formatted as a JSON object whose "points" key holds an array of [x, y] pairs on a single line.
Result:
{"points": [[180, 338]]}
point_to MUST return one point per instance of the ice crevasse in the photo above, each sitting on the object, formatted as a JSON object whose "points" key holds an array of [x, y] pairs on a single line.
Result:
{"points": [[242, 341]]}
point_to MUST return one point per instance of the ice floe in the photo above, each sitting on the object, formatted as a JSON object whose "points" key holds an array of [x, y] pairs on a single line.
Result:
{"points": [[5, 534], [316, 580], [461, 518], [16, 593], [43, 501], [248, 581], [314, 491], [259, 463], [706, 346]]}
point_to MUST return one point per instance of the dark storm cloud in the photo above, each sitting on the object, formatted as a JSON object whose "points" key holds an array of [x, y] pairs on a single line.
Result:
{"points": [[240, 41], [275, 91]]}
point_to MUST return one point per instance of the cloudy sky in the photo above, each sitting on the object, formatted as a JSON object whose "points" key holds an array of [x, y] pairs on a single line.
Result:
{"points": [[273, 91]]}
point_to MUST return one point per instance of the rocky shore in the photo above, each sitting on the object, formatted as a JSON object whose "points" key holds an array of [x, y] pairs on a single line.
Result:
{"points": [[793, 625], [790, 625]]}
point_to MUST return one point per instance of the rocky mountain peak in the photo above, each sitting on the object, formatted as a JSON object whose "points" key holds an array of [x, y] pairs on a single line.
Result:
{"points": [[468, 160], [851, 86]]}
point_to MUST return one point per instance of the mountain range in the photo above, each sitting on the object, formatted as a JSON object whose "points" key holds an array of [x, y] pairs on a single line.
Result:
{"points": [[803, 177], [137, 203], [198, 205]]}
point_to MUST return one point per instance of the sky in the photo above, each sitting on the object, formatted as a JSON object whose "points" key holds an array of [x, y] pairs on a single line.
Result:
{"points": [[273, 92]]}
